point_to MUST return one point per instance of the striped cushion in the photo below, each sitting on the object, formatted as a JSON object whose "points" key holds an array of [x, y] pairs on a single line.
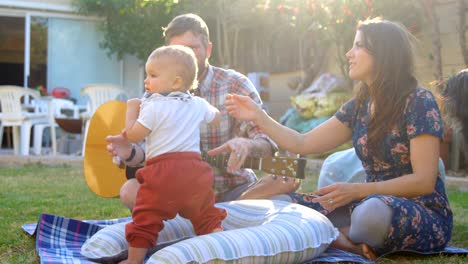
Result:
{"points": [[255, 231], [109, 244]]}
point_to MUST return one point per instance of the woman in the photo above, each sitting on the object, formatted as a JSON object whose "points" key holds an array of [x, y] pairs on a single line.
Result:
{"points": [[396, 128]]}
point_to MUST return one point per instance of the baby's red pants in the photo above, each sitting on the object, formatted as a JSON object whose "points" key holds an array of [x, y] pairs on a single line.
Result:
{"points": [[171, 183]]}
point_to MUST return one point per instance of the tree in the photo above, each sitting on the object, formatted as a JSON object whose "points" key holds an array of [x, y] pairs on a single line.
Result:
{"points": [[332, 23], [429, 8], [129, 26], [249, 35]]}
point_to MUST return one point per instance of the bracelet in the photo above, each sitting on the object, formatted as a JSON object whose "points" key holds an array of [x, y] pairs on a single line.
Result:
{"points": [[132, 154]]}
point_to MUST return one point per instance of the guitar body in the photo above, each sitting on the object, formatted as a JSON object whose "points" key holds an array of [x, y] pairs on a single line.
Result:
{"points": [[103, 177]]}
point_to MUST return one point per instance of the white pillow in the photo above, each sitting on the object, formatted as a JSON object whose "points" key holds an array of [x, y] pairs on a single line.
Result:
{"points": [[264, 231], [257, 231], [109, 244]]}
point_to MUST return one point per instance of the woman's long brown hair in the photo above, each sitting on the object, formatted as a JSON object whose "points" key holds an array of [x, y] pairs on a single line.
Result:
{"points": [[393, 77]]}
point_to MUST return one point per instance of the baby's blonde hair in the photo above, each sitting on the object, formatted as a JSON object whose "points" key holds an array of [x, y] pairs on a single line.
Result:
{"points": [[183, 60]]}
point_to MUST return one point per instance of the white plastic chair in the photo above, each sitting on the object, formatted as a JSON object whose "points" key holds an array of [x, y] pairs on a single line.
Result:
{"points": [[13, 115], [54, 108], [97, 95]]}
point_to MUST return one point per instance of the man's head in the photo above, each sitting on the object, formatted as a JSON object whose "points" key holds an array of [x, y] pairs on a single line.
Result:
{"points": [[191, 31], [455, 96], [171, 68]]}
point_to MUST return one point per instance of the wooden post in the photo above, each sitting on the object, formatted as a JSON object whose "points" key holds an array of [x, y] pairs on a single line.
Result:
{"points": [[429, 8], [462, 29], [455, 150]]}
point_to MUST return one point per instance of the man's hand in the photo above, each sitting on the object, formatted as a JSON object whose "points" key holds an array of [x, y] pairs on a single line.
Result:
{"points": [[239, 149]]}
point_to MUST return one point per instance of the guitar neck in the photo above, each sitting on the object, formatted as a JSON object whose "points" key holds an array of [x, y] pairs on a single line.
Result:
{"points": [[285, 166], [220, 161]]}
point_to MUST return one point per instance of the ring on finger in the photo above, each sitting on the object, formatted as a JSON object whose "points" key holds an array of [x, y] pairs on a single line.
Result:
{"points": [[330, 201]]}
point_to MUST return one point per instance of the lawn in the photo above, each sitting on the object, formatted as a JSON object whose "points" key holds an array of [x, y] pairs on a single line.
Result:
{"points": [[28, 191]]}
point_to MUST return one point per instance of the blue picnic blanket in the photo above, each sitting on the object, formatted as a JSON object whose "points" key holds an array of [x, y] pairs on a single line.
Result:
{"points": [[59, 240]]}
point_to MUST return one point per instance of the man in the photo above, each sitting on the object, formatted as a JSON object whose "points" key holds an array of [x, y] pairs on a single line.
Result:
{"points": [[455, 98], [241, 139]]}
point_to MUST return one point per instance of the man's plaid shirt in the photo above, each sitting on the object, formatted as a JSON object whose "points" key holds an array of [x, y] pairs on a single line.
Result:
{"points": [[214, 88]]}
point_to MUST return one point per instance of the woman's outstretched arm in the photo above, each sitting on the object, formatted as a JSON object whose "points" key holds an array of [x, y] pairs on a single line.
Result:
{"points": [[325, 137]]}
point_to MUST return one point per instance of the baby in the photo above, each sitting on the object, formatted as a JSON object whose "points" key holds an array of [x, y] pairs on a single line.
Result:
{"points": [[175, 179]]}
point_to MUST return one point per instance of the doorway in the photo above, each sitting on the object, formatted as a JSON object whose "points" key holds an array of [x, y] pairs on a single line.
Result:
{"points": [[23, 48], [12, 50], [13, 41]]}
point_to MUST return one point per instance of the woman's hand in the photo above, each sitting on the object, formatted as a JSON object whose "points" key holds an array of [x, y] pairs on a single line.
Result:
{"points": [[336, 195], [242, 107]]}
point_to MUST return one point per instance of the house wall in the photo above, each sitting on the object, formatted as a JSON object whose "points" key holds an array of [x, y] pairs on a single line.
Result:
{"points": [[74, 57], [133, 76]]}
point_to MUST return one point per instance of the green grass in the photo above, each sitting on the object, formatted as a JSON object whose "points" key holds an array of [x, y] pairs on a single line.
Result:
{"points": [[28, 191]]}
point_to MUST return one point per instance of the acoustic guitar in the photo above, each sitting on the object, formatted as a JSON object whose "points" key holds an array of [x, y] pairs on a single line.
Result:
{"points": [[105, 179], [283, 166]]}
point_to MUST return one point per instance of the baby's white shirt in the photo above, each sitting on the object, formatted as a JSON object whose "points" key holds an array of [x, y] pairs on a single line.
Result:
{"points": [[174, 121]]}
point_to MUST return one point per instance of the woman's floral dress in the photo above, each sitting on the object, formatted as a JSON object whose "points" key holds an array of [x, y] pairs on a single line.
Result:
{"points": [[420, 224]]}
